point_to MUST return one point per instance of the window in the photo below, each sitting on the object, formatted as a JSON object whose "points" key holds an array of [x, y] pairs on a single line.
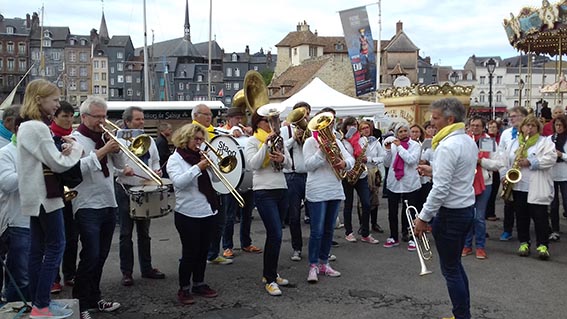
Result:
{"points": [[83, 85], [56, 55], [103, 64], [103, 76], [73, 71], [34, 55], [236, 72], [499, 97], [294, 51], [95, 64], [129, 92], [103, 90], [516, 79], [21, 48], [22, 65], [482, 97], [111, 70], [180, 96], [73, 85], [234, 57], [499, 79], [200, 78], [469, 76], [10, 47], [227, 100], [111, 81], [83, 57], [482, 80], [516, 92], [119, 55], [228, 71], [120, 67], [10, 30], [96, 77], [236, 86], [72, 41], [47, 43], [128, 79], [255, 68], [83, 42], [312, 51], [83, 71], [339, 47], [72, 56], [227, 86], [96, 89], [181, 86], [213, 89], [198, 87], [10, 64], [138, 80], [120, 79], [111, 92]]}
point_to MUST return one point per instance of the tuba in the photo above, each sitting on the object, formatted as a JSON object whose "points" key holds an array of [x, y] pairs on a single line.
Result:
{"points": [[272, 112], [298, 118], [513, 175], [255, 91], [322, 123]]}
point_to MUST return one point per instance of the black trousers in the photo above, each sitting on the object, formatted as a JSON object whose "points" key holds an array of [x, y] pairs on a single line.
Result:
{"points": [[394, 211]]}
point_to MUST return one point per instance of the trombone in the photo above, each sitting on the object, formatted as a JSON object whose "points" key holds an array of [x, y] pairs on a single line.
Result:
{"points": [[132, 154], [226, 164], [219, 174], [421, 244]]}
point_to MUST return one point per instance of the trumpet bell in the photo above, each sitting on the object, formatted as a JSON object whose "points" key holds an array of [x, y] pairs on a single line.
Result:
{"points": [[255, 91], [321, 121]]}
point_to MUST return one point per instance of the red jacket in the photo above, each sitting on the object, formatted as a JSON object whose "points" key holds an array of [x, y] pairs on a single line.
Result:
{"points": [[548, 128]]}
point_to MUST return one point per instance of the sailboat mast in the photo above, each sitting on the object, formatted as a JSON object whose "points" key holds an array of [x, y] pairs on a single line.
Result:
{"points": [[210, 44], [41, 57], [146, 70]]}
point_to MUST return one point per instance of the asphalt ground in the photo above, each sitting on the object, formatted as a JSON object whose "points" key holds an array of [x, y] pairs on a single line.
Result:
{"points": [[376, 282]]}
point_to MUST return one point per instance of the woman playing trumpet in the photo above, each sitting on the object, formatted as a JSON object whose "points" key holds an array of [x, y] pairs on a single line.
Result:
{"points": [[270, 190], [196, 204]]}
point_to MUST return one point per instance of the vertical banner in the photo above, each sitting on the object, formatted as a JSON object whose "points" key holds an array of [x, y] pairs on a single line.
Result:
{"points": [[358, 37]]}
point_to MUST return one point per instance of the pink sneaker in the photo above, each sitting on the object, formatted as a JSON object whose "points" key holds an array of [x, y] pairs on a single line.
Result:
{"points": [[390, 242], [369, 239], [313, 271], [411, 246], [328, 271]]}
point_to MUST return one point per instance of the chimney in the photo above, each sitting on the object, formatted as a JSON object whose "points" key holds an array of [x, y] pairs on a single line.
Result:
{"points": [[28, 21], [428, 59], [316, 33], [298, 26], [399, 27], [247, 50]]}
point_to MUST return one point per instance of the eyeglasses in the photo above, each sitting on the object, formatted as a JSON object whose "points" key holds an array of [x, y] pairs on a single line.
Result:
{"points": [[98, 117], [206, 114], [198, 139]]}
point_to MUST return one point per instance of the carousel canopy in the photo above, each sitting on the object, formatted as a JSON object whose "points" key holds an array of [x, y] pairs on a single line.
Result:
{"points": [[539, 30]]}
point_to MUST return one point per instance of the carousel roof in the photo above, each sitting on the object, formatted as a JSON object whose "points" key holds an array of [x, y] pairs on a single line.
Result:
{"points": [[539, 30]]}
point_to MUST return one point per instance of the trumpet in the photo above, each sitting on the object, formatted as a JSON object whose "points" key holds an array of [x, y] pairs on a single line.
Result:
{"points": [[421, 244], [218, 173], [68, 194]]}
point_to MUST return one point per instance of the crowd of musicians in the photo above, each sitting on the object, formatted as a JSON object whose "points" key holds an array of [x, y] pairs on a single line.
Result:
{"points": [[60, 186]]}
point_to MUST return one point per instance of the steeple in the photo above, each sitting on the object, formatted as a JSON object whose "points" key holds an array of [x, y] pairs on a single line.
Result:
{"points": [[187, 35], [103, 32]]}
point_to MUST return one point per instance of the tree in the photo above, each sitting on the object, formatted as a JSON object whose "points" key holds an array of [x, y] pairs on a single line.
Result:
{"points": [[267, 75]]}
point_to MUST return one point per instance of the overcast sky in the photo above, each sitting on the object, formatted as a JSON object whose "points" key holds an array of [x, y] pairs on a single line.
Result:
{"points": [[449, 31]]}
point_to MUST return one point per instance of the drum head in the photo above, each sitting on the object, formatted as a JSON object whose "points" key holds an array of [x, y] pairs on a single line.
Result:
{"points": [[229, 146]]}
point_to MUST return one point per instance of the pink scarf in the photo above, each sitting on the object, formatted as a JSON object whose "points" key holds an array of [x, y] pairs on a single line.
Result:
{"points": [[478, 182], [355, 146], [399, 162]]}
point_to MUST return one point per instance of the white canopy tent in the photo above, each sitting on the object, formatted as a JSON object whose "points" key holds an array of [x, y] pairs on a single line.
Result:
{"points": [[319, 95]]}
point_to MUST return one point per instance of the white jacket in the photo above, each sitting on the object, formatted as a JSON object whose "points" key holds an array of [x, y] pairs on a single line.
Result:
{"points": [[410, 181], [10, 211]]}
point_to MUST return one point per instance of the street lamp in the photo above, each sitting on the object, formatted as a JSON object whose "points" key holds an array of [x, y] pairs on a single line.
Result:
{"points": [[490, 66], [521, 87], [454, 77]]}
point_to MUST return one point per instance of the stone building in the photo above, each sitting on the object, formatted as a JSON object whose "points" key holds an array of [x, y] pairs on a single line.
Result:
{"points": [[14, 55]]}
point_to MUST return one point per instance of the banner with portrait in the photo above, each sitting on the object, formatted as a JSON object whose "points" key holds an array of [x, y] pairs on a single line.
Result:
{"points": [[358, 37]]}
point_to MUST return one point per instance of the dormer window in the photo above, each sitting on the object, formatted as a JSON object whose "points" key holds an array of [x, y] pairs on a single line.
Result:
{"points": [[339, 47], [234, 57], [83, 42], [72, 41], [10, 30]]}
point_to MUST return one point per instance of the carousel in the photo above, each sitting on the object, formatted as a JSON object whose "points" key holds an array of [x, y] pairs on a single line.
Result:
{"points": [[542, 31]]}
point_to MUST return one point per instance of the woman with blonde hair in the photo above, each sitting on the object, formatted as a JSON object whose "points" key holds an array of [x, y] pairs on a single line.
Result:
{"points": [[41, 192], [196, 204]]}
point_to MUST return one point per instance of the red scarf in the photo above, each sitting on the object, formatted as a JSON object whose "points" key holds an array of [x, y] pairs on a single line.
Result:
{"points": [[478, 182], [59, 131], [399, 161], [99, 143], [203, 181], [355, 146]]}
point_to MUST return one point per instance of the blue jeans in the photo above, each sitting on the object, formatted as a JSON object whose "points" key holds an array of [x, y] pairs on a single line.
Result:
{"points": [[126, 229], [96, 227], [323, 218], [450, 228], [17, 243], [231, 207], [363, 192], [47, 238], [478, 231], [271, 205], [295, 194]]}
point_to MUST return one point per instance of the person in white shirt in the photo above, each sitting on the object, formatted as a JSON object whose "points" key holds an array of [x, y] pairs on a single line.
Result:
{"points": [[7, 124], [196, 204], [324, 193], [535, 155], [559, 173], [270, 195], [95, 206], [133, 118], [41, 192], [451, 200], [403, 183]]}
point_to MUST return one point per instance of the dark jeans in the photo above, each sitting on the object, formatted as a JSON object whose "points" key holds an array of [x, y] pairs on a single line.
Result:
{"points": [[16, 241], [96, 227], [450, 227], [490, 208], [560, 190], [126, 230], [363, 192], [271, 205], [195, 235], [69, 265], [509, 216], [232, 209], [394, 211], [295, 194], [525, 212], [216, 234], [423, 193], [47, 244], [322, 225]]}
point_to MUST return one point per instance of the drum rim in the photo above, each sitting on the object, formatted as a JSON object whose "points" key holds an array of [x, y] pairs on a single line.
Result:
{"points": [[242, 165]]}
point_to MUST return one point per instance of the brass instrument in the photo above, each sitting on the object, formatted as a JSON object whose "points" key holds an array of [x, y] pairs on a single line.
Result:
{"points": [[218, 173], [226, 164], [68, 194], [513, 175], [298, 118], [255, 91], [322, 123], [359, 167], [139, 145], [132, 154], [421, 244], [272, 112]]}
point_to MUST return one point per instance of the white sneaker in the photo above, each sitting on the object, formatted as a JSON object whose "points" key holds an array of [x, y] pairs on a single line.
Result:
{"points": [[350, 237], [369, 239], [332, 257], [279, 280], [296, 255], [273, 289], [312, 276], [411, 246]]}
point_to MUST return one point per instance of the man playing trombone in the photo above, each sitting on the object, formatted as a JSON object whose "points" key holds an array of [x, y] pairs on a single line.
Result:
{"points": [[451, 200]]}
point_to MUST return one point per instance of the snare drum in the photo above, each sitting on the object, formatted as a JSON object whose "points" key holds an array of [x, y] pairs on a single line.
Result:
{"points": [[151, 201], [240, 177]]}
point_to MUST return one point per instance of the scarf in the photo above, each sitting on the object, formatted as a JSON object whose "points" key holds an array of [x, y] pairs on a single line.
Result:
{"points": [[559, 140], [444, 132], [4, 132], [99, 143], [496, 137], [478, 182], [399, 162], [203, 181], [210, 129], [14, 140], [262, 136], [59, 131], [354, 142], [532, 140]]}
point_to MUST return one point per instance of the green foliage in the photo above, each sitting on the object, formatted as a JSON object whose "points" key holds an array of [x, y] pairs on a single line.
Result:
{"points": [[267, 75]]}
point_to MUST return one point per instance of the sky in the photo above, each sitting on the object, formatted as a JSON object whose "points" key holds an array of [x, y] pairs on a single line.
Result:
{"points": [[449, 31]]}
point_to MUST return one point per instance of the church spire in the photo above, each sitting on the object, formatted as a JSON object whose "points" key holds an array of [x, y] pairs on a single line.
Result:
{"points": [[187, 35], [103, 32]]}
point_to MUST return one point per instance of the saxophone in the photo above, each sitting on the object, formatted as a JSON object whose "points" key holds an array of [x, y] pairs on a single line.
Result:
{"points": [[513, 175], [359, 167]]}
